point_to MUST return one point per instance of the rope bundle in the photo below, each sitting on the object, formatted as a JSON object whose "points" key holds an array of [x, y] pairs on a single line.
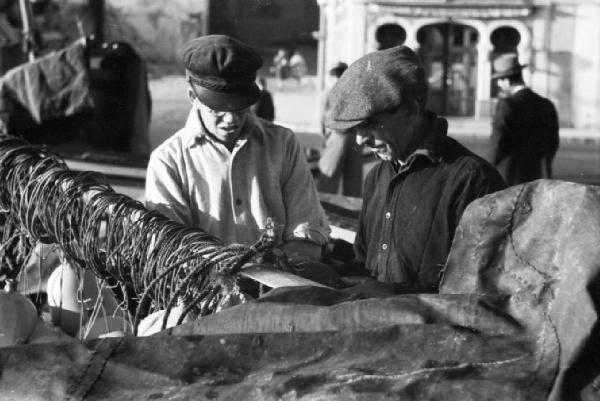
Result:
{"points": [[158, 262]]}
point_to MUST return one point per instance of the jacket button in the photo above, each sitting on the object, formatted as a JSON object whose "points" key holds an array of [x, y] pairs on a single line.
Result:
{"points": [[238, 201], [384, 247], [388, 215]]}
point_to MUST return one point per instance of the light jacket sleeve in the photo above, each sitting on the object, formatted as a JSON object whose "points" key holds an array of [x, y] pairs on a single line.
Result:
{"points": [[305, 217], [163, 191]]}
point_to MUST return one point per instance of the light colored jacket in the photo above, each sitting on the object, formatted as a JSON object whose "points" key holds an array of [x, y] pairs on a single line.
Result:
{"points": [[197, 181]]}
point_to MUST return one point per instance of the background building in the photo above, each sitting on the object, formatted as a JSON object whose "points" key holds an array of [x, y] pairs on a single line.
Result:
{"points": [[459, 39], [154, 30], [269, 25]]}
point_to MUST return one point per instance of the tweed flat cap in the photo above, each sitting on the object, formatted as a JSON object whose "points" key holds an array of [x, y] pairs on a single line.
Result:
{"points": [[223, 71], [376, 82]]}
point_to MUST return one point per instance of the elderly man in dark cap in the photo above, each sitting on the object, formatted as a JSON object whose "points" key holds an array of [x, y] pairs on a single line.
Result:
{"points": [[226, 171], [524, 128], [414, 198]]}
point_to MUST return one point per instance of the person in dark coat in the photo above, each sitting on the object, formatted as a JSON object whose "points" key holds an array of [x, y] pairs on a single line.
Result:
{"points": [[264, 107], [341, 161], [414, 198], [524, 128]]}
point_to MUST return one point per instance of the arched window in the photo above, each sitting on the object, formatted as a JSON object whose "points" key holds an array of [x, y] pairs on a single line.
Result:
{"points": [[449, 54], [389, 35], [505, 39]]}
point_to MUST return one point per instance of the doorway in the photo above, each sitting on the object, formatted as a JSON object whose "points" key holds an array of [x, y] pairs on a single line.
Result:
{"points": [[505, 39], [449, 54]]}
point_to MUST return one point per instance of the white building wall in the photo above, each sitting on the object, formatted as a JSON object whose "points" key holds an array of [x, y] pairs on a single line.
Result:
{"points": [[586, 67], [357, 40], [562, 49]]}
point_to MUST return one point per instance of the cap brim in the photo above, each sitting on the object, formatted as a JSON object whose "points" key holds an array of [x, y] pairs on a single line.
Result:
{"points": [[342, 125], [228, 101], [508, 73]]}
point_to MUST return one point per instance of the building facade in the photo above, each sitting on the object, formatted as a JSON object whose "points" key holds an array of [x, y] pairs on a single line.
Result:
{"points": [[458, 40], [155, 31]]}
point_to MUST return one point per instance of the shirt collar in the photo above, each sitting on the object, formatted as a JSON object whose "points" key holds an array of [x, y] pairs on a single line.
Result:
{"points": [[428, 154], [517, 88], [194, 132], [437, 130]]}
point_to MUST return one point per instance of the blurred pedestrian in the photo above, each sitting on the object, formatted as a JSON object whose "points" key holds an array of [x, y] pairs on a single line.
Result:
{"points": [[524, 128], [264, 107], [281, 67], [341, 162], [298, 66]]}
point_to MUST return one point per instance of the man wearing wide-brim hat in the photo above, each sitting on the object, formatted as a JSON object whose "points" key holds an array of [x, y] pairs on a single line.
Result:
{"points": [[226, 171], [414, 198], [524, 127]]}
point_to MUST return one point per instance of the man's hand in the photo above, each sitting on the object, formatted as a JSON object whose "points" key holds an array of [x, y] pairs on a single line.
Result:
{"points": [[301, 251]]}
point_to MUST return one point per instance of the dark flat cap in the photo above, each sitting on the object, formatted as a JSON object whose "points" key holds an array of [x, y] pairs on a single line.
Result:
{"points": [[223, 70], [338, 69], [377, 82]]}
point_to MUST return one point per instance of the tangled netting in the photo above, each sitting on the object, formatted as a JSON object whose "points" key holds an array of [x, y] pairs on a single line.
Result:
{"points": [[158, 262]]}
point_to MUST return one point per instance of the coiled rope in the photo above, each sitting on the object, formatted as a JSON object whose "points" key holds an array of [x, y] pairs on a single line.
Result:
{"points": [[161, 262]]}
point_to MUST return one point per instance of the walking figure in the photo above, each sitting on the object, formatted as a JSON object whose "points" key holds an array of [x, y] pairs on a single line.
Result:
{"points": [[298, 67], [341, 162], [524, 127], [281, 67]]}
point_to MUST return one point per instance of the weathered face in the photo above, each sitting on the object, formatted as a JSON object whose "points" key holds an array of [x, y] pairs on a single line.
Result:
{"points": [[390, 135], [224, 125]]}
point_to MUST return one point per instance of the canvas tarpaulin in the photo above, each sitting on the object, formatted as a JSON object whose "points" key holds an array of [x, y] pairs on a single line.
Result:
{"points": [[50, 88], [515, 319]]}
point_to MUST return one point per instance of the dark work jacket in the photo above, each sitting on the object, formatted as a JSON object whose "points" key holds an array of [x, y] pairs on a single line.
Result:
{"points": [[524, 132], [408, 218], [264, 107]]}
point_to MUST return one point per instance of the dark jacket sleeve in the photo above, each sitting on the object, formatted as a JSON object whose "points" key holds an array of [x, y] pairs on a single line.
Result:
{"points": [[500, 140], [269, 107], [553, 140], [477, 182]]}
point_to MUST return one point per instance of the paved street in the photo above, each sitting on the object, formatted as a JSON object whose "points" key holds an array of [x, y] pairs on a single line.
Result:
{"points": [[578, 159]]}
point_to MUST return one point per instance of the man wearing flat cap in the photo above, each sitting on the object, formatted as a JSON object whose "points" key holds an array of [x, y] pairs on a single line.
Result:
{"points": [[226, 171], [414, 197], [524, 127]]}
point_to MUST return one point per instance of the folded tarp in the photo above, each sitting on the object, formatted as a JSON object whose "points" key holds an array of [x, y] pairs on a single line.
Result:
{"points": [[515, 319], [51, 87], [423, 361]]}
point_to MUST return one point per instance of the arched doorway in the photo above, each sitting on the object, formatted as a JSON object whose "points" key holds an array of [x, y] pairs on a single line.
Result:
{"points": [[449, 53], [389, 35], [504, 39]]}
